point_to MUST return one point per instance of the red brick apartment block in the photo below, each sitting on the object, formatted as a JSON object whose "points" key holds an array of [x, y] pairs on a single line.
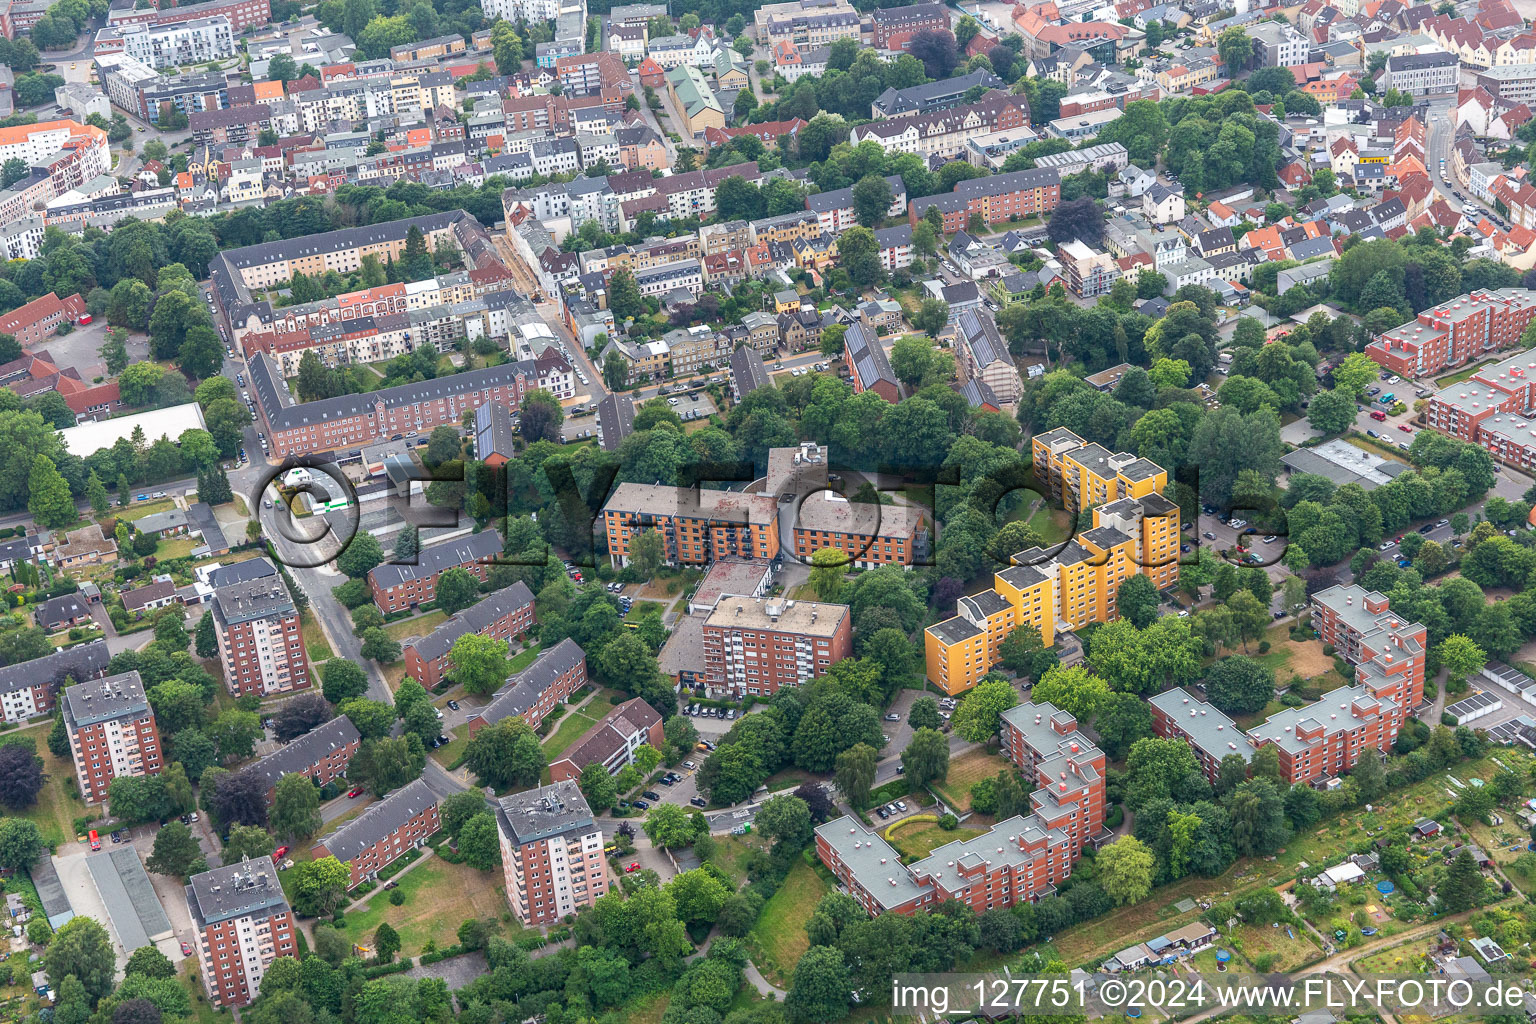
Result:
{"points": [[112, 733], [398, 587], [503, 615], [35, 322], [243, 923], [533, 693], [402, 821], [261, 643], [1018, 860]]}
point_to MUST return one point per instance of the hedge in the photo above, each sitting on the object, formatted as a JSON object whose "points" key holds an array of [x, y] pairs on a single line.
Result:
{"points": [[379, 970], [397, 865], [911, 817], [442, 954]]}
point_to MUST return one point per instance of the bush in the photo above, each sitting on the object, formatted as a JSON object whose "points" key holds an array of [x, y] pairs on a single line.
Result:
{"points": [[1263, 646], [949, 823], [393, 868], [397, 897]]}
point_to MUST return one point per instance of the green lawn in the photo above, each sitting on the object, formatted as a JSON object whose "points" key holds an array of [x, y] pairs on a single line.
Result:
{"points": [[177, 547], [1465, 373], [779, 937], [964, 772], [57, 807], [921, 838], [420, 625], [1054, 525], [522, 659], [438, 898], [568, 731], [315, 643], [458, 739], [731, 854]]}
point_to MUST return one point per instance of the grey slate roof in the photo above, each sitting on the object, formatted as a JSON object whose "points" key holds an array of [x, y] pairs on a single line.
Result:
{"points": [[616, 416], [523, 690], [379, 821], [437, 558], [130, 899], [748, 372], [239, 572], [306, 751], [203, 521], [105, 699], [472, 620], [544, 813], [254, 599], [60, 609], [83, 662], [167, 520], [235, 890]]}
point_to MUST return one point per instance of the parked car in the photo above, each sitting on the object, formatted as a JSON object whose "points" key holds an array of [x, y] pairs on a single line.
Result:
{"points": [[280, 853], [1377, 414], [649, 795], [354, 792], [186, 948], [893, 717], [699, 801], [641, 805]]}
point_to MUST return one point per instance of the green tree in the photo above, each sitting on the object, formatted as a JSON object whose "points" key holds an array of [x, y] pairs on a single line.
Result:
{"points": [[456, 590], [787, 821], [247, 841], [1332, 412], [819, 991], [828, 566], [1463, 886], [96, 493], [670, 826], [479, 663], [341, 680], [926, 758], [598, 787], [1137, 600], [980, 711], [1125, 870], [81, 948], [855, 772], [360, 556], [176, 851], [48, 497], [505, 754], [1461, 656], [480, 842], [1074, 690], [380, 646], [21, 843], [149, 962], [296, 807], [1239, 685]]}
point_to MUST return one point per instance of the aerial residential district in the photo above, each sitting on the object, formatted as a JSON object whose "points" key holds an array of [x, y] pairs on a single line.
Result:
{"points": [[548, 512]]}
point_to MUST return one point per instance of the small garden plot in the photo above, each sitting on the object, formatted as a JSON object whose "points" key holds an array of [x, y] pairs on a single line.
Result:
{"points": [[964, 772], [1281, 947], [1408, 958], [420, 625]]}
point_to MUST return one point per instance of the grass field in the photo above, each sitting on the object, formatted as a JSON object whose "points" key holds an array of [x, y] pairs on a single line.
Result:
{"points": [[56, 808], [921, 838], [315, 643], [458, 739], [964, 772], [1054, 525], [1465, 373], [567, 731], [731, 851], [177, 547], [522, 659], [779, 937], [438, 898], [419, 625]]}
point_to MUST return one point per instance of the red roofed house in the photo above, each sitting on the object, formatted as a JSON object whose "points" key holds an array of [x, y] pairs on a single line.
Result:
{"points": [[767, 132], [1294, 175], [652, 73], [38, 319]]}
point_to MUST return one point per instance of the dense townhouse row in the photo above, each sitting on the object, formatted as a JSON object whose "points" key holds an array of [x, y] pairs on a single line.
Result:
{"points": [[551, 853], [1135, 531], [995, 199], [1018, 860], [397, 587], [402, 821], [31, 688], [503, 616]]}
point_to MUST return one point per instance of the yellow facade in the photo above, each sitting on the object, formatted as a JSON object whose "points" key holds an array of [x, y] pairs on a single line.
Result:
{"points": [[1135, 530]]}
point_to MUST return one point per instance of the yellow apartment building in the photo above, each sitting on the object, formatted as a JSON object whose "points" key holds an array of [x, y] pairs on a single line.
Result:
{"points": [[1135, 530]]}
